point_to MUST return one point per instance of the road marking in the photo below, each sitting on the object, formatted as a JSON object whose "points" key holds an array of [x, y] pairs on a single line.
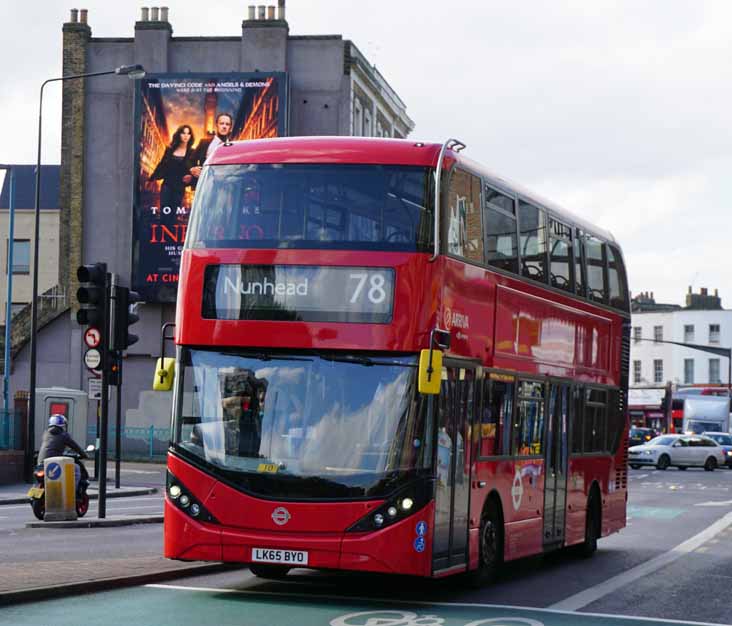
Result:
{"points": [[702, 549], [583, 598], [641, 476], [370, 601], [713, 503]]}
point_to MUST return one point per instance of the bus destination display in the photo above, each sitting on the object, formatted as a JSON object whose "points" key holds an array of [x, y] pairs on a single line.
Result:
{"points": [[298, 293]]}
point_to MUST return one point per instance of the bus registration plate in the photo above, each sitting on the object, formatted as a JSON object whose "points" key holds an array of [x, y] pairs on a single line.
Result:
{"points": [[274, 555]]}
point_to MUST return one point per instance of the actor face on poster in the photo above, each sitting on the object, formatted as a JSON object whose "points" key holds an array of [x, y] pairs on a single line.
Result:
{"points": [[181, 120]]}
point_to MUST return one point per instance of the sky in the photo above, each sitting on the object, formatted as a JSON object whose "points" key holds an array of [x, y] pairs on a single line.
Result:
{"points": [[619, 110]]}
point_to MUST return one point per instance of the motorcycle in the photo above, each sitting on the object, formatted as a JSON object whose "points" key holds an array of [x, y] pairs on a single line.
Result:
{"points": [[37, 494]]}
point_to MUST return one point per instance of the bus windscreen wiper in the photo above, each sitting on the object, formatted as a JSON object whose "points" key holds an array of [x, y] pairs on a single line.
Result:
{"points": [[348, 358]]}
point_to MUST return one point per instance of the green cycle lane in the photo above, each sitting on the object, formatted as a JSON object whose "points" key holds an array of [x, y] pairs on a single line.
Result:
{"points": [[162, 605]]}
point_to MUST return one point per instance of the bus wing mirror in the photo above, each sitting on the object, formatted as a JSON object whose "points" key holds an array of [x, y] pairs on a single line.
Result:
{"points": [[164, 374], [430, 372]]}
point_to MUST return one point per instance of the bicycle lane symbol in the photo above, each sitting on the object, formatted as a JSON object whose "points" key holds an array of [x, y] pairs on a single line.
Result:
{"points": [[407, 618]]}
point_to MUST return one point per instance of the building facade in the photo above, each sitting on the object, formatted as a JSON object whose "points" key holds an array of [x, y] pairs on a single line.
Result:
{"points": [[24, 202], [332, 89], [702, 321]]}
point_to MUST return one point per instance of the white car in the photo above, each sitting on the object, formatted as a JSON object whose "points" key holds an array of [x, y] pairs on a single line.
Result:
{"points": [[681, 451]]}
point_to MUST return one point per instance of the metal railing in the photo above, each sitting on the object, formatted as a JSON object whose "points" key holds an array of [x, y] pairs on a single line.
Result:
{"points": [[11, 431], [138, 443]]}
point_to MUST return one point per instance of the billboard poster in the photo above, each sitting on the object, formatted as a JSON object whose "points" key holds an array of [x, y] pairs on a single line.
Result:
{"points": [[180, 119]]}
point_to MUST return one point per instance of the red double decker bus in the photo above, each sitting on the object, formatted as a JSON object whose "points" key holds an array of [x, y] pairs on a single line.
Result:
{"points": [[389, 359]]}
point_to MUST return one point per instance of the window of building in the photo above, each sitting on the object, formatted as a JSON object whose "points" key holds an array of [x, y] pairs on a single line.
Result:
{"points": [[464, 228], [560, 256], [595, 263], [637, 334], [658, 333], [497, 414], [499, 222], [688, 371], [657, 370], [713, 333], [357, 119], [367, 132], [688, 333], [528, 426], [532, 241], [21, 255], [616, 279], [714, 378], [636, 372]]}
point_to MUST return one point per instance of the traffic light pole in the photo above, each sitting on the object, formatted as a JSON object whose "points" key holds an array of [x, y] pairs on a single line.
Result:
{"points": [[104, 422], [118, 431]]}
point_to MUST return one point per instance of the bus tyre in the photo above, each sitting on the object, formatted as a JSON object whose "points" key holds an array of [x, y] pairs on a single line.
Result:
{"points": [[592, 527], [274, 572], [710, 465], [490, 557], [663, 462]]}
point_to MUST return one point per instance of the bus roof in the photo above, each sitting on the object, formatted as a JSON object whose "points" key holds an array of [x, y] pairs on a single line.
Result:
{"points": [[373, 150]]}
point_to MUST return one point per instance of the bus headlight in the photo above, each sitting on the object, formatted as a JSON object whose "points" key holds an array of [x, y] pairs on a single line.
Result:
{"points": [[408, 503], [379, 520], [174, 491]]}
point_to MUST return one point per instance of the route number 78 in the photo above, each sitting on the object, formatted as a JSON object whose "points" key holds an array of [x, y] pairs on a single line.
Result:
{"points": [[371, 283]]}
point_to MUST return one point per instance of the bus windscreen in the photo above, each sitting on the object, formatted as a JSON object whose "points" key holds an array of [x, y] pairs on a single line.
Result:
{"points": [[357, 207], [303, 425]]}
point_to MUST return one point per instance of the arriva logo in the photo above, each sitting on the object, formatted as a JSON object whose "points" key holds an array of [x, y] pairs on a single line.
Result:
{"points": [[265, 287], [281, 516]]}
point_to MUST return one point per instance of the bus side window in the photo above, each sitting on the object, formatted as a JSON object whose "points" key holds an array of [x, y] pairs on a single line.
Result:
{"points": [[560, 256], [529, 421], [595, 420], [496, 417], [499, 224], [616, 279], [595, 263], [533, 241], [464, 223], [578, 420], [579, 266]]}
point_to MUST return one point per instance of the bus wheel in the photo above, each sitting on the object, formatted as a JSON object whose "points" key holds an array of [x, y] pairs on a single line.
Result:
{"points": [[490, 557], [663, 462], [592, 527], [274, 572]]}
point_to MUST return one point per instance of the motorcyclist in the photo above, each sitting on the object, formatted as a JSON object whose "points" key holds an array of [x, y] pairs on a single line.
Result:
{"points": [[56, 439]]}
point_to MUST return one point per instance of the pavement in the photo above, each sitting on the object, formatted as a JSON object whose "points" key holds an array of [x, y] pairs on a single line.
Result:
{"points": [[22, 581]]}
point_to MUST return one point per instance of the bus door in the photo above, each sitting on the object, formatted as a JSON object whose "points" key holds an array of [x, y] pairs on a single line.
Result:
{"points": [[455, 409], [555, 465]]}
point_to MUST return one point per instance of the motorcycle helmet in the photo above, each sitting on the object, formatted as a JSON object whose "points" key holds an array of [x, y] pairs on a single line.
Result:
{"points": [[58, 420]]}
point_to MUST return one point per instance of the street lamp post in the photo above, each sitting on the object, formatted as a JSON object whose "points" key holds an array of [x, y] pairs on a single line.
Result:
{"points": [[133, 72], [9, 287]]}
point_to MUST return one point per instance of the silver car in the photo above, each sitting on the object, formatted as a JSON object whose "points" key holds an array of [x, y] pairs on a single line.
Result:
{"points": [[681, 451]]}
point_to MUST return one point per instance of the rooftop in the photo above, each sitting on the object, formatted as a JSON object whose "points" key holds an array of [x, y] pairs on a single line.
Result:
{"points": [[25, 187]]}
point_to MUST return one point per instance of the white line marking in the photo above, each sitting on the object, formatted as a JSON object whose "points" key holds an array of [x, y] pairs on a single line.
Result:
{"points": [[311, 596], [712, 503], [583, 598]]}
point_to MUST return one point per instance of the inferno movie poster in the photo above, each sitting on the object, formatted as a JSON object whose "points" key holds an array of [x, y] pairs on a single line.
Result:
{"points": [[180, 119]]}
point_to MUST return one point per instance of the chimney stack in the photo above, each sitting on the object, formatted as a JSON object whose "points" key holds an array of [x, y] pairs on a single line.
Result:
{"points": [[270, 12], [261, 12], [83, 15], [145, 16], [280, 9], [155, 14], [74, 16], [252, 12], [163, 14]]}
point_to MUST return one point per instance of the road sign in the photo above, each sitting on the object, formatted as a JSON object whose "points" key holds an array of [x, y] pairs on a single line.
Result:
{"points": [[95, 389], [92, 358], [92, 337]]}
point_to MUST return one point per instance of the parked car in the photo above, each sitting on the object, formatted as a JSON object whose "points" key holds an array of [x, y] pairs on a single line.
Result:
{"points": [[639, 435], [724, 440], [681, 451]]}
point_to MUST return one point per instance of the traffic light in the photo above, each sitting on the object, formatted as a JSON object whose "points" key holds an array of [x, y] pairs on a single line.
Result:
{"points": [[115, 370], [91, 295], [124, 317]]}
